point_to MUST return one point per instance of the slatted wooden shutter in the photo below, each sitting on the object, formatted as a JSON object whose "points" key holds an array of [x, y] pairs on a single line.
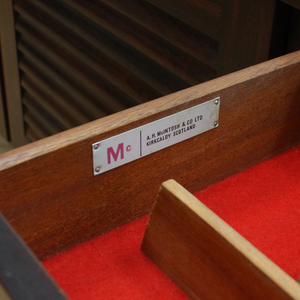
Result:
{"points": [[81, 60]]}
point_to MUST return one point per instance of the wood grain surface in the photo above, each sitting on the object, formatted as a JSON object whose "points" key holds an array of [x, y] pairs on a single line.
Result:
{"points": [[205, 257], [81, 60], [52, 199], [246, 31], [204, 15]]}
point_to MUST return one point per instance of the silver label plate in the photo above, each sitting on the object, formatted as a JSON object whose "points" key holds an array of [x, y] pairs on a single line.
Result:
{"points": [[141, 141]]}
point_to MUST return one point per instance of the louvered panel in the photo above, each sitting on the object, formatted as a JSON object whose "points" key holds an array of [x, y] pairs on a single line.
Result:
{"points": [[81, 60], [52, 101], [179, 34], [45, 102], [166, 81], [38, 115], [34, 131], [58, 86], [86, 54], [100, 41], [204, 15], [80, 75], [173, 67]]}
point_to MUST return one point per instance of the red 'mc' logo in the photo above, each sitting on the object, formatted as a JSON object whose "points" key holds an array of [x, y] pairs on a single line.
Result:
{"points": [[113, 154]]}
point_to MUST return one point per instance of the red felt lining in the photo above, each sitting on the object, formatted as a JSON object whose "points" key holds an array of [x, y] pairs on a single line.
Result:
{"points": [[112, 267], [261, 203]]}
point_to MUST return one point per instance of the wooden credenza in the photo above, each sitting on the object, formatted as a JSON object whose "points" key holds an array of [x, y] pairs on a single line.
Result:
{"points": [[49, 192], [66, 63]]}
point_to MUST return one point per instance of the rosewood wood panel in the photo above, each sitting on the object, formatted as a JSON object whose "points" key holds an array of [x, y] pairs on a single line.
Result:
{"points": [[204, 15], [52, 199], [246, 31], [293, 37], [81, 60]]}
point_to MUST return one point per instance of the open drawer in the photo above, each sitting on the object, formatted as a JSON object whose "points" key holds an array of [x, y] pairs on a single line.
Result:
{"points": [[49, 192]]}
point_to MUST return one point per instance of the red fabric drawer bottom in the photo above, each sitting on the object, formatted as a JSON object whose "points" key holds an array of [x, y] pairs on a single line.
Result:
{"points": [[261, 203]]}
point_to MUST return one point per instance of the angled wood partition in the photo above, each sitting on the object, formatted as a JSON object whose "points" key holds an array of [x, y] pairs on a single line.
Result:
{"points": [[51, 197], [207, 258]]}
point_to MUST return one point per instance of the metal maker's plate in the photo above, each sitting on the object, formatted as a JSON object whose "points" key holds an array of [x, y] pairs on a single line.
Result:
{"points": [[141, 141]]}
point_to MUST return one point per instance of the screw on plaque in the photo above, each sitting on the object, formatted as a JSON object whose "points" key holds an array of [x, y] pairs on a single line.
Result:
{"points": [[98, 169], [216, 124], [96, 146], [217, 101]]}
